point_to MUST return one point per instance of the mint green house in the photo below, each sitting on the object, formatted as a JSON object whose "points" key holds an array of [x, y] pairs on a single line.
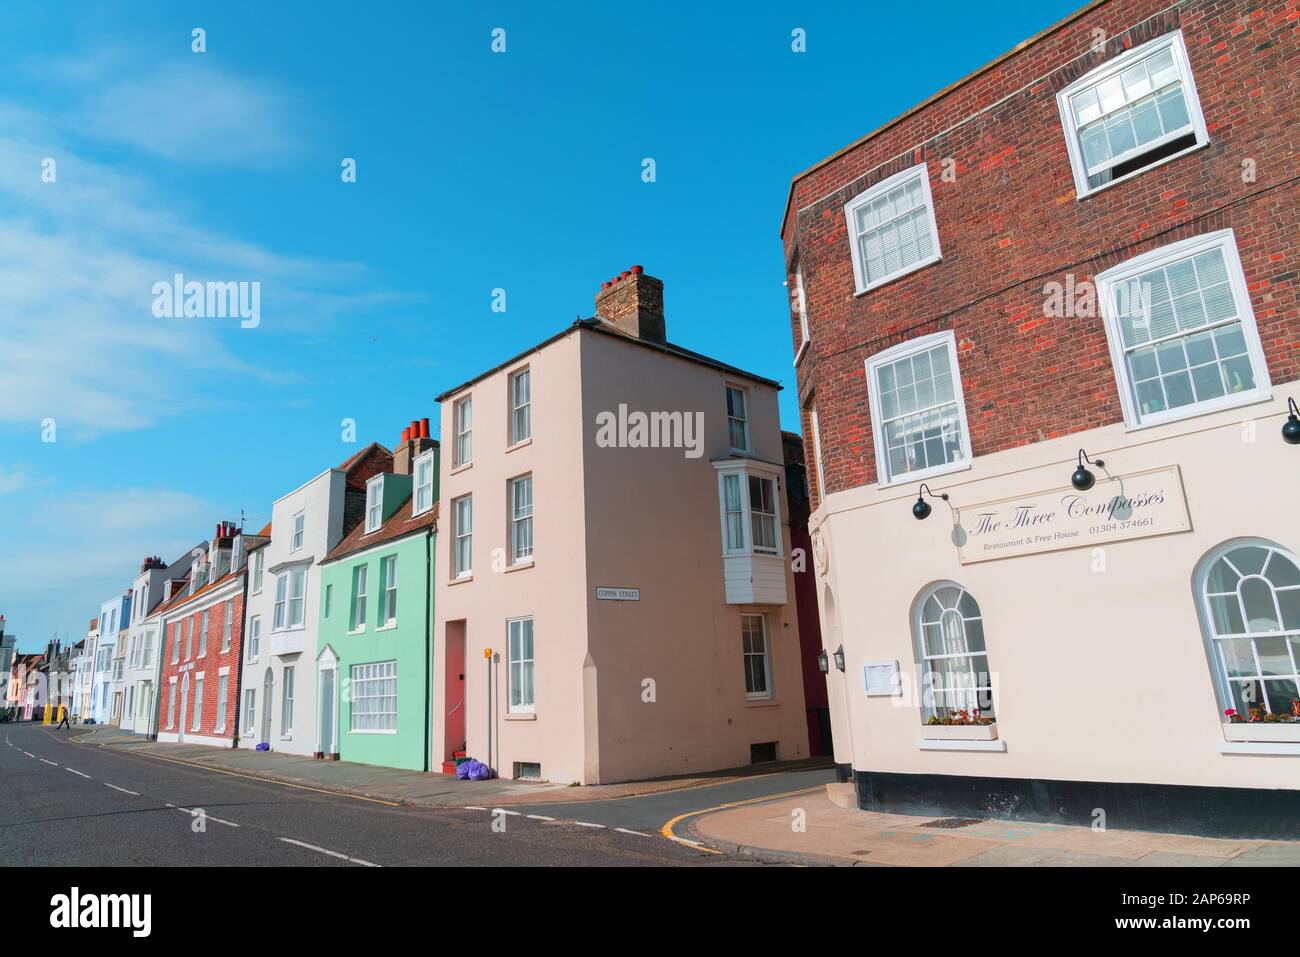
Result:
{"points": [[374, 660]]}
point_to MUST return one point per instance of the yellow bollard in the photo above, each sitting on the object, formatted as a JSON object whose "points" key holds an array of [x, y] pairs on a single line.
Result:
{"points": [[46, 718]]}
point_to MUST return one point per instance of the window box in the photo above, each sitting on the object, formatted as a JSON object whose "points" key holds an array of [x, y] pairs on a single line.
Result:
{"points": [[1262, 731], [960, 732]]}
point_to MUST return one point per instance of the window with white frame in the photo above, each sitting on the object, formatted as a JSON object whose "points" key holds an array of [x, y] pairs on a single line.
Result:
{"points": [[176, 642], [329, 600], [462, 535], [280, 613], [189, 637], [737, 419], [521, 519], [757, 659], [815, 425], [171, 705], [1131, 113], [388, 595], [749, 506], [299, 523], [422, 500], [1182, 332], [892, 230], [374, 697], [520, 646], [250, 710], [359, 597], [521, 420], [290, 593], [374, 503], [801, 307], [197, 720], [918, 413], [954, 660], [227, 626], [254, 636], [223, 692], [286, 702], [146, 655], [463, 416], [203, 634], [1251, 605], [259, 565]]}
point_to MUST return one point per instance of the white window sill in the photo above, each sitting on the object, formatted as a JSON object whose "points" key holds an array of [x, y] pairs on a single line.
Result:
{"points": [[886, 280], [924, 475], [1254, 397], [522, 443], [377, 731], [762, 703], [1259, 732], [388, 627], [1080, 196], [461, 468], [924, 744], [1259, 747], [520, 566], [803, 348], [460, 580], [521, 715], [959, 732], [286, 737], [357, 631]]}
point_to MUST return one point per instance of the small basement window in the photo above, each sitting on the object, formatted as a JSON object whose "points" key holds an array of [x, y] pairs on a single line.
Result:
{"points": [[762, 753], [528, 770]]}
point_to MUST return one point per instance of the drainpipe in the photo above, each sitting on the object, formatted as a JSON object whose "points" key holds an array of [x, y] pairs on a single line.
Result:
{"points": [[239, 657], [428, 648]]}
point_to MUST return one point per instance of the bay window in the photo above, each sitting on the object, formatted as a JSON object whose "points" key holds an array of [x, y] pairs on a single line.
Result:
{"points": [[749, 509]]}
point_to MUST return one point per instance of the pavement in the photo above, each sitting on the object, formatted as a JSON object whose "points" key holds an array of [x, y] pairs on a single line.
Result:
{"points": [[808, 828]]}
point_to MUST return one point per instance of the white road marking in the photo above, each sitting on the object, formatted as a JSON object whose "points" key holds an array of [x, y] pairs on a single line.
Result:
{"points": [[55, 763], [195, 812], [123, 790], [623, 830], [75, 771], [29, 754], [584, 824], [474, 807], [539, 817], [325, 850], [501, 810]]}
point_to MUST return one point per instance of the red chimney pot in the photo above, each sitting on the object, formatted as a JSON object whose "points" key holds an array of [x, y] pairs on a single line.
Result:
{"points": [[406, 435], [638, 270], [624, 274], [424, 428]]}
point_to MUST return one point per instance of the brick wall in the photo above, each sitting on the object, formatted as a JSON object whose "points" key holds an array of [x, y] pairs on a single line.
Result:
{"points": [[209, 664], [1009, 223]]}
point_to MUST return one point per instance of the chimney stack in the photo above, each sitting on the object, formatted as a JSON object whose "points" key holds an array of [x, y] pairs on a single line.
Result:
{"points": [[152, 561], [415, 439], [633, 303]]}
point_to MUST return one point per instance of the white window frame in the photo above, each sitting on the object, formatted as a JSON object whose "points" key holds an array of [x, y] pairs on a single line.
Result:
{"points": [[146, 652], [462, 425], [801, 307], [176, 642], [254, 636], [223, 701], [884, 477], [299, 530], [197, 722], [743, 419], [815, 424], [259, 567], [250, 710], [286, 701], [280, 610], [744, 470], [1215, 642], [297, 576], [204, 621], [1109, 284], [766, 658], [520, 519], [360, 588], [388, 591], [525, 407], [523, 707], [924, 657], [458, 534], [1104, 72], [329, 599], [364, 678], [171, 703], [423, 489], [189, 637], [921, 171], [374, 504], [228, 625]]}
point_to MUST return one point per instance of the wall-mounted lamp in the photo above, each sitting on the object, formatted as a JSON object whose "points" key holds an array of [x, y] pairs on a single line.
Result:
{"points": [[823, 663], [839, 657], [1291, 427], [1082, 479], [921, 508]]}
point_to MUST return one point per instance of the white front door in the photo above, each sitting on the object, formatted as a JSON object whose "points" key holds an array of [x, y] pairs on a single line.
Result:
{"points": [[185, 707], [268, 685], [327, 712]]}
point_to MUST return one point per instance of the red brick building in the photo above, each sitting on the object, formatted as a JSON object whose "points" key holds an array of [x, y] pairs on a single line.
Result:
{"points": [[203, 629], [1086, 249]]}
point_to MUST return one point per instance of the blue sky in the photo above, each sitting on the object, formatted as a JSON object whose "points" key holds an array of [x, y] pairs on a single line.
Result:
{"points": [[475, 171]]}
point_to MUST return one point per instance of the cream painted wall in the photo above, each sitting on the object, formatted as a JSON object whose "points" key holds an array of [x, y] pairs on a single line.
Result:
{"points": [[1102, 675]]}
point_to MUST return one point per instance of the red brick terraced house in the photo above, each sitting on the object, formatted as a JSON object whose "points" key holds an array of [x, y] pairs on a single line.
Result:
{"points": [[201, 651], [1047, 337]]}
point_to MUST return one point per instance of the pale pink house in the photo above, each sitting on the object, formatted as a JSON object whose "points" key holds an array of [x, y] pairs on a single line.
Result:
{"points": [[616, 540]]}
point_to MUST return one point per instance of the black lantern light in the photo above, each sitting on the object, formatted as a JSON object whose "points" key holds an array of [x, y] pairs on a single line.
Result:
{"points": [[1291, 427], [1082, 479], [839, 657], [823, 663], [921, 508]]}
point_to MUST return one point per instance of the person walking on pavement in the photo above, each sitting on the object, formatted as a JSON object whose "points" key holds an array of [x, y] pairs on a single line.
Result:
{"points": [[63, 720]]}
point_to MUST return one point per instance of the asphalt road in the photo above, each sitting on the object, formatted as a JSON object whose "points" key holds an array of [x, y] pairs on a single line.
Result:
{"points": [[69, 804]]}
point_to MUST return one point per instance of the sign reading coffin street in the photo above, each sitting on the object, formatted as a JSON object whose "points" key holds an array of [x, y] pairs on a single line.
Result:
{"points": [[618, 594], [1117, 508]]}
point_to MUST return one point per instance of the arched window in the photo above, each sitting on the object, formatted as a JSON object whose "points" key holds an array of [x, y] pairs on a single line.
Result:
{"points": [[954, 661], [1251, 597]]}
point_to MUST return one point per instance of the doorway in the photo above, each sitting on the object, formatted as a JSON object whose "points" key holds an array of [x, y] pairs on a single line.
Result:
{"points": [[327, 746], [268, 685], [454, 691], [185, 707]]}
